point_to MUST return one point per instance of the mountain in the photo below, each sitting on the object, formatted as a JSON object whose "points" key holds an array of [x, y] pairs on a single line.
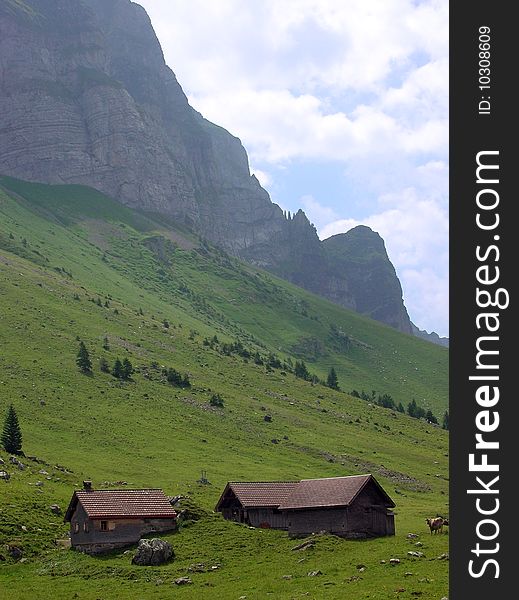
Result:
{"points": [[75, 265], [86, 98]]}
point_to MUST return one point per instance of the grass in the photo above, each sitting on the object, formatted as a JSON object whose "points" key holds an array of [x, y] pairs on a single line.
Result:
{"points": [[80, 246]]}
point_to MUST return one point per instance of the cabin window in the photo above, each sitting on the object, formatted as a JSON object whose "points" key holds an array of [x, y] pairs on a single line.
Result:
{"points": [[104, 525], [85, 527], [76, 527]]}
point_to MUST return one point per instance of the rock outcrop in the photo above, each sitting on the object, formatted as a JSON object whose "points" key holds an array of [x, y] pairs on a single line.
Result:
{"points": [[86, 97], [153, 552], [360, 257]]}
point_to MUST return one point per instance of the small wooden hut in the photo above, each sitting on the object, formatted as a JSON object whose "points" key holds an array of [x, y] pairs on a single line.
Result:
{"points": [[101, 520]]}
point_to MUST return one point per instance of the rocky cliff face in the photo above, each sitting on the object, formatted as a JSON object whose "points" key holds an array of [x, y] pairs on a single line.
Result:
{"points": [[86, 97], [360, 256]]}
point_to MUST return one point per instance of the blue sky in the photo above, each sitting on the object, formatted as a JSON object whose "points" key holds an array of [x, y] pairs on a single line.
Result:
{"points": [[342, 106]]}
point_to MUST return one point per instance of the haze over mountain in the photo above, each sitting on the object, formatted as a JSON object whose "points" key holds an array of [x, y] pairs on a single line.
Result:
{"points": [[86, 97]]}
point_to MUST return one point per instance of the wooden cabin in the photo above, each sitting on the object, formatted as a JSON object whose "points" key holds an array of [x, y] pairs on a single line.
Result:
{"points": [[354, 507], [102, 520]]}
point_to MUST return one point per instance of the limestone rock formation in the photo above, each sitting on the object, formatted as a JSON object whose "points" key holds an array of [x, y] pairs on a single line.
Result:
{"points": [[153, 552]]}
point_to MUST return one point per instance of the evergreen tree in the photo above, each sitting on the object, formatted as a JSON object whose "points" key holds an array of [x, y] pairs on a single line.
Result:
{"points": [[400, 408], [445, 423], [332, 381], [420, 412], [430, 417], [412, 408], [386, 401], [127, 369], [103, 365], [11, 434], [300, 370], [117, 370], [83, 359]]}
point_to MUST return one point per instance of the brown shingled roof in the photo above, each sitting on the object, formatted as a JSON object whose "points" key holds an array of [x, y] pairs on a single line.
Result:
{"points": [[122, 504], [331, 491], [260, 493]]}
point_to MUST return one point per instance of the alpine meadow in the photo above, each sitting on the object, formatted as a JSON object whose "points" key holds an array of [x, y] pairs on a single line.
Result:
{"points": [[77, 266]]}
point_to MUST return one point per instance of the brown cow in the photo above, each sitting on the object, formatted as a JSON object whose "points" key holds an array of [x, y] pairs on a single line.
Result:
{"points": [[436, 524]]}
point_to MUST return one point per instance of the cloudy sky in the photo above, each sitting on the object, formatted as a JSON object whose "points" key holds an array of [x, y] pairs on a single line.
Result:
{"points": [[342, 106]]}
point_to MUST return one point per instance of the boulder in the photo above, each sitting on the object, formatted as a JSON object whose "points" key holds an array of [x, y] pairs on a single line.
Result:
{"points": [[55, 509], [153, 552], [183, 581], [4, 475]]}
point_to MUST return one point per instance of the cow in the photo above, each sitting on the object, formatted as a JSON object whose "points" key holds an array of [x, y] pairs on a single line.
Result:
{"points": [[436, 524]]}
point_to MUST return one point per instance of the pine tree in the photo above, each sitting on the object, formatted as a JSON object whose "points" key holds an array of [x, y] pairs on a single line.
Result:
{"points": [[412, 408], [445, 423], [301, 371], [103, 365], [430, 417], [11, 434], [117, 370], [127, 369], [83, 359], [332, 381]]}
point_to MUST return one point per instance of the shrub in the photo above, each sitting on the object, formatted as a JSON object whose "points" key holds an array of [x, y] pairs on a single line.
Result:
{"points": [[216, 400]]}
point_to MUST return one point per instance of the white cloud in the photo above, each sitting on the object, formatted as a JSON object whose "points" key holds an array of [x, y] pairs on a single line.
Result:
{"points": [[315, 79]]}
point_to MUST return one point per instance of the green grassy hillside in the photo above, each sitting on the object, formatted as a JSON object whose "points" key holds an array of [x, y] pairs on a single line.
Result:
{"points": [[75, 265]]}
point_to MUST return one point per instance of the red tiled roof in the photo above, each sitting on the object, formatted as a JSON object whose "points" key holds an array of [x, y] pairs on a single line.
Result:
{"points": [[270, 493], [331, 491], [120, 504]]}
